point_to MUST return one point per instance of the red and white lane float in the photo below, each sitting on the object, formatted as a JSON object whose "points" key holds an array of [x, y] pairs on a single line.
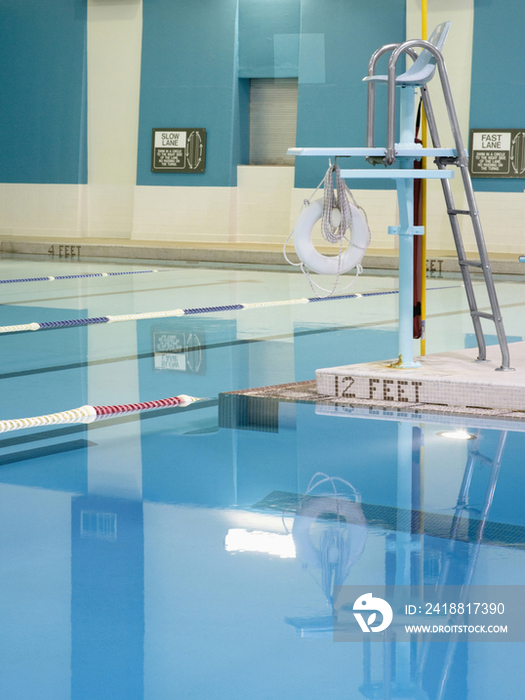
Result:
{"points": [[88, 414]]}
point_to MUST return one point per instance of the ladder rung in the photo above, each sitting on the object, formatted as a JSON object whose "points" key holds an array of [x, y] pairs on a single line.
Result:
{"points": [[482, 263], [482, 314]]}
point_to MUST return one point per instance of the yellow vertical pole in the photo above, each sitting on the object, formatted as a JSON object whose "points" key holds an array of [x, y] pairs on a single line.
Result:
{"points": [[423, 344], [424, 36]]}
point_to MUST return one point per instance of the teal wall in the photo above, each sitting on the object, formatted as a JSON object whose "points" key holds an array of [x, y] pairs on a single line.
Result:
{"points": [[498, 77], [189, 79], [197, 59], [269, 38], [340, 36], [43, 136]]}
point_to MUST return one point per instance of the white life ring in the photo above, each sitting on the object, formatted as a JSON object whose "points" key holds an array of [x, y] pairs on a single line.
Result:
{"points": [[329, 265]]}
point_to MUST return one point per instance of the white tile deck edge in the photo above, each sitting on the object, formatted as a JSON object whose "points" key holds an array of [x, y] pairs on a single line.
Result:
{"points": [[451, 379]]}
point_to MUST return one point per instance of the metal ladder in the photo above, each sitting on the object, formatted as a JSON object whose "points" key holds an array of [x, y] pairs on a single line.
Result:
{"points": [[461, 161], [483, 264]]}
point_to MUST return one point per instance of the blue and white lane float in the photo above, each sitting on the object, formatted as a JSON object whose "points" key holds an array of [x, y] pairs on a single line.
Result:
{"points": [[88, 414], [77, 277], [190, 312]]}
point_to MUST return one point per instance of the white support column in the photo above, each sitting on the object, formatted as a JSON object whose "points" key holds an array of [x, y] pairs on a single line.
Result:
{"points": [[114, 41]]}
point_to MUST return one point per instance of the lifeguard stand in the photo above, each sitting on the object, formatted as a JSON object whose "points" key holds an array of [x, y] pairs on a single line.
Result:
{"points": [[417, 76]]}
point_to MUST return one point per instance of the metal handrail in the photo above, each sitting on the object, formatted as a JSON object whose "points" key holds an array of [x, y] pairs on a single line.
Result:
{"points": [[447, 93], [370, 115]]}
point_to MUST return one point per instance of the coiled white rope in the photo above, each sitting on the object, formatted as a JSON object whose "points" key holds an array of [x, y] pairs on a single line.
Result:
{"points": [[335, 206]]}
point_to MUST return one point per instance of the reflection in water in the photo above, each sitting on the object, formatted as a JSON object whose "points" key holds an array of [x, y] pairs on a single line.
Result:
{"points": [[329, 532], [420, 669], [478, 525], [242, 540], [107, 598], [182, 594]]}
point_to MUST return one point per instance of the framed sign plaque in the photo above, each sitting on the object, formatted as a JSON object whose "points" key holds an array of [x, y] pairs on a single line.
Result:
{"points": [[178, 151], [497, 153]]}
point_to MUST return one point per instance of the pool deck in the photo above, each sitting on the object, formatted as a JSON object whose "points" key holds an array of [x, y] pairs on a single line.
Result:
{"points": [[228, 252], [446, 379], [451, 384]]}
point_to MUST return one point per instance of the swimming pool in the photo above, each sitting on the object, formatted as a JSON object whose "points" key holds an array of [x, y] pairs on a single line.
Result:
{"points": [[192, 553]]}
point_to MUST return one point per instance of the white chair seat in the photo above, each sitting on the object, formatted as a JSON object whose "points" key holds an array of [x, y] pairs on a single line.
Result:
{"points": [[424, 67]]}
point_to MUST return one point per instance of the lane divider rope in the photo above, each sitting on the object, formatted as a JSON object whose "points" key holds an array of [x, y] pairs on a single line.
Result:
{"points": [[88, 414], [76, 277], [190, 312]]}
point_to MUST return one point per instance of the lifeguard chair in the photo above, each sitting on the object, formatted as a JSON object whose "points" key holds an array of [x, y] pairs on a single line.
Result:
{"points": [[398, 159]]}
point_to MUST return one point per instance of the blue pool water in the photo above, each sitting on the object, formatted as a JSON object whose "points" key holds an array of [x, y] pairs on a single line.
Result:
{"points": [[192, 553]]}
